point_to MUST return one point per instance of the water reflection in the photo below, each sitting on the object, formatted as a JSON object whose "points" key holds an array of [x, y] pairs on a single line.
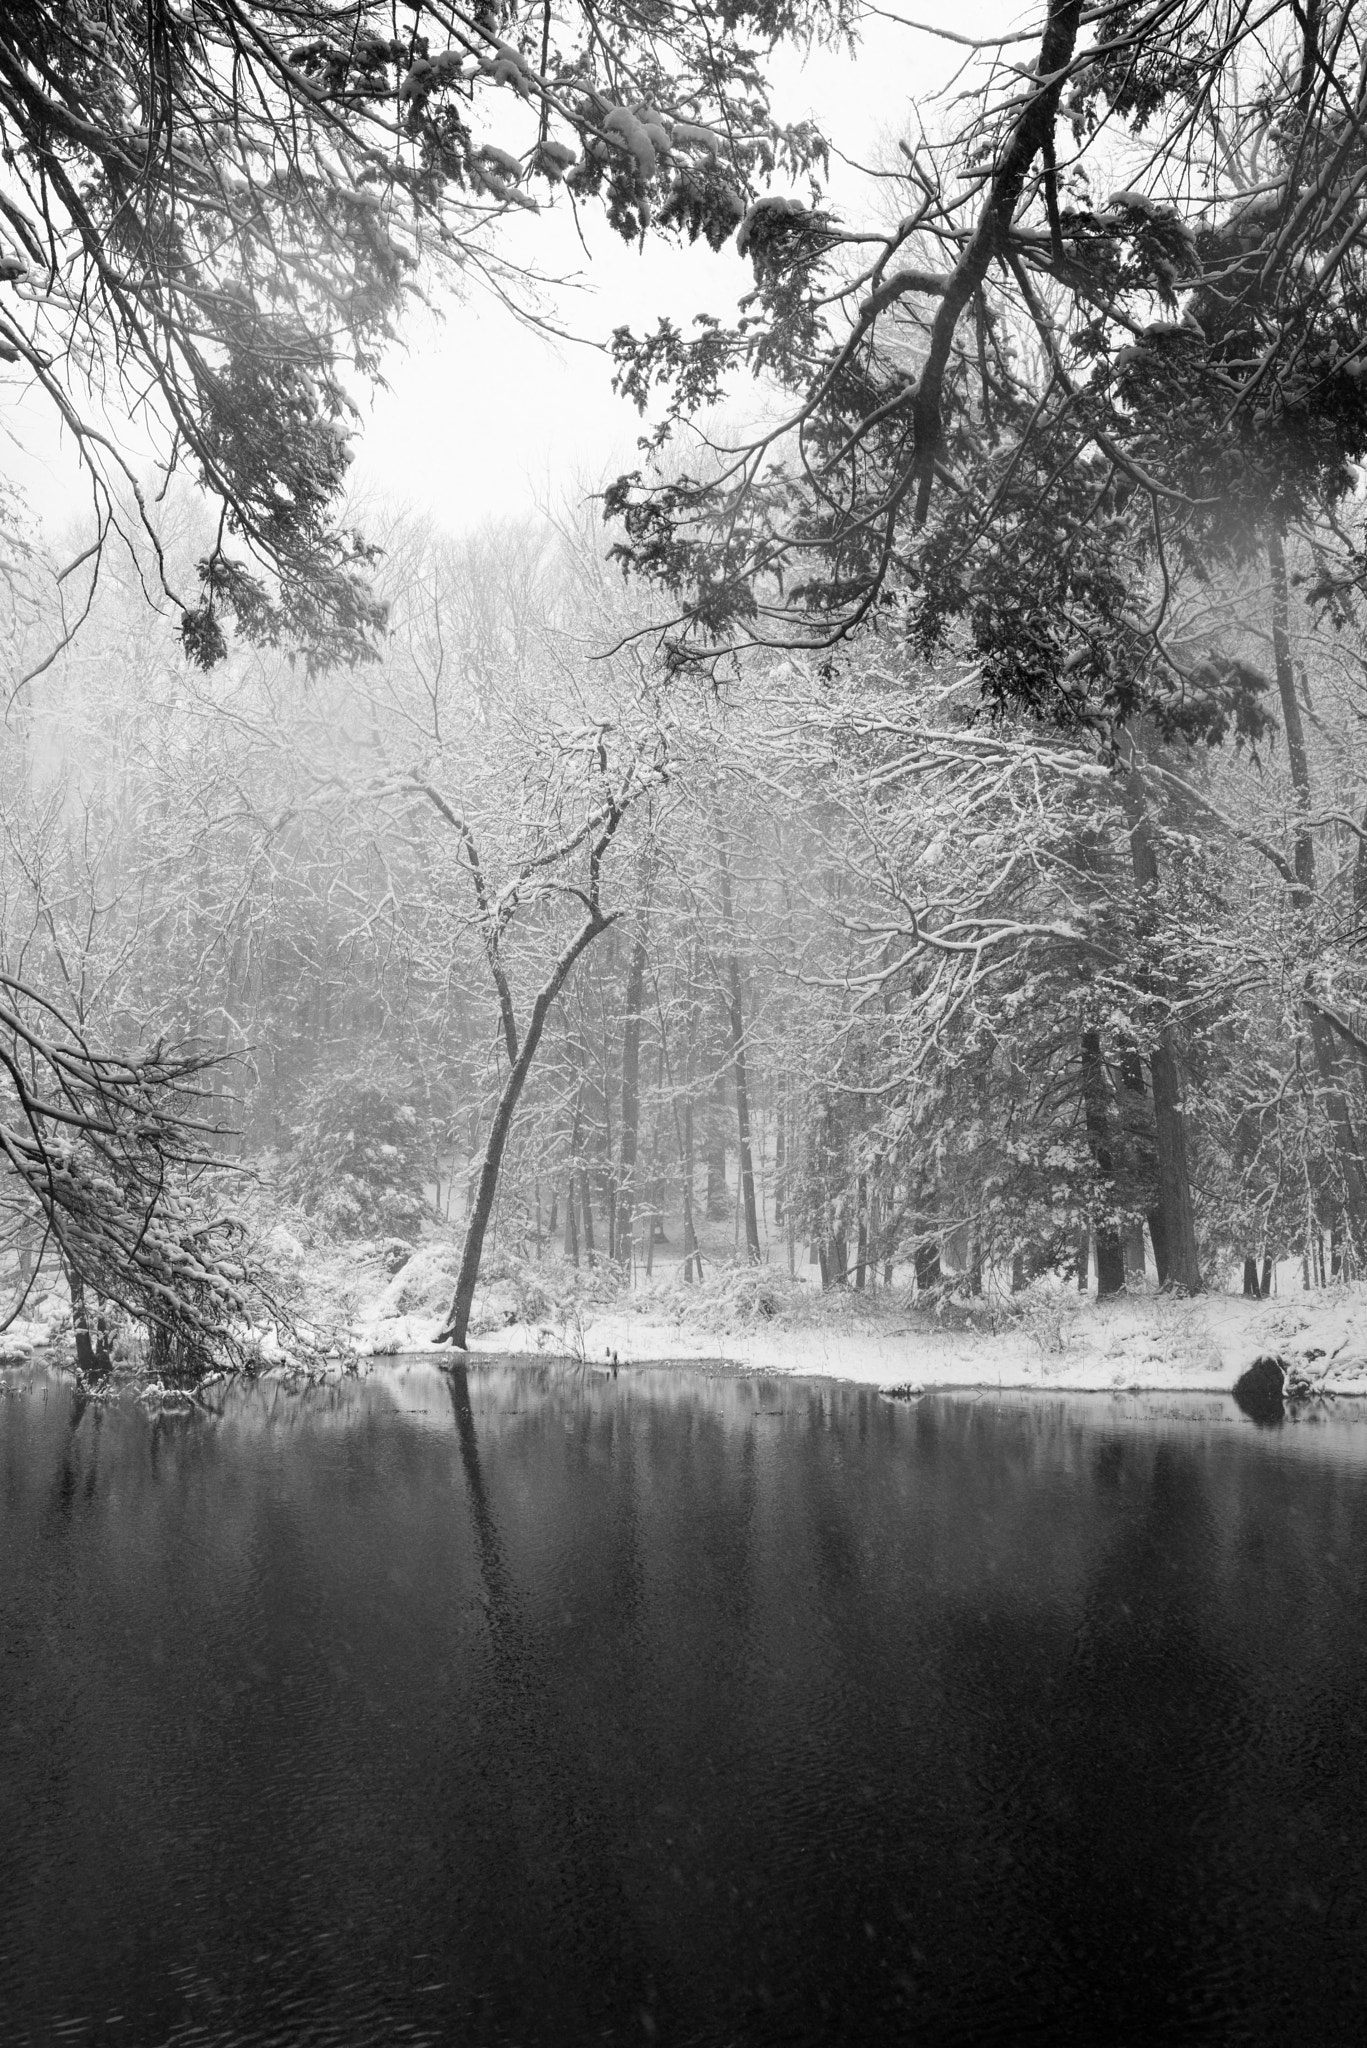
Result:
{"points": [[524, 1706]]}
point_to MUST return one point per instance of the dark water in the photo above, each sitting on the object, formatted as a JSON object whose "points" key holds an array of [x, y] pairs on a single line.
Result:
{"points": [[677, 1709]]}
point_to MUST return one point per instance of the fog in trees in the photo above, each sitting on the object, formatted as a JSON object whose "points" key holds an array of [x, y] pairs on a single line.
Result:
{"points": [[912, 845]]}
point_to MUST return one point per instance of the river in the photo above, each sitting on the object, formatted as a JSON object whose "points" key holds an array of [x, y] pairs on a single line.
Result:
{"points": [[542, 1707]]}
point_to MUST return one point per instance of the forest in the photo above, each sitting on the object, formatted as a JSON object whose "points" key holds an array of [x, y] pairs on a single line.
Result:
{"points": [[909, 833]]}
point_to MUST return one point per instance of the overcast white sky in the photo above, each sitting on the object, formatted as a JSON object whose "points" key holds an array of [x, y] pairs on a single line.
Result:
{"points": [[484, 417]]}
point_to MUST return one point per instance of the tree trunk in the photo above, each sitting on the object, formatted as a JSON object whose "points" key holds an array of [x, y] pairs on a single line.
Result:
{"points": [[716, 1199], [1177, 1261], [1158, 1238], [457, 1322], [690, 1235], [780, 1149], [631, 1090], [1133, 1235], [737, 1021], [1304, 853], [1143, 1165], [80, 1323], [571, 1222], [1082, 1263], [655, 1232], [1110, 1252], [1322, 1040], [1265, 1284], [861, 1255], [1174, 1176], [1251, 1291], [928, 1273]]}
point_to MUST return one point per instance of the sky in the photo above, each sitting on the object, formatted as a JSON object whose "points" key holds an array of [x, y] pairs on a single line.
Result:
{"points": [[486, 418]]}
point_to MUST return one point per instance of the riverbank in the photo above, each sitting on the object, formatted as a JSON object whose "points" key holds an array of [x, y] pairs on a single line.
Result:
{"points": [[1047, 1337], [356, 1304]]}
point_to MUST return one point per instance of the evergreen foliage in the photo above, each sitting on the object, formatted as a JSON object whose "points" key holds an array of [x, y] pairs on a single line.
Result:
{"points": [[1019, 417], [362, 1152], [215, 213]]}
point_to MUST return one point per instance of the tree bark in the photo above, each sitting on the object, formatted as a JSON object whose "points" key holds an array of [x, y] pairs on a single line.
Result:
{"points": [[1174, 1175], [1322, 1040], [1158, 1238], [1304, 852], [80, 1323], [1110, 1252], [737, 1022], [715, 1200], [780, 1148], [571, 1222], [631, 1089], [1143, 1165], [1178, 1261], [690, 1234], [457, 1322], [1133, 1237]]}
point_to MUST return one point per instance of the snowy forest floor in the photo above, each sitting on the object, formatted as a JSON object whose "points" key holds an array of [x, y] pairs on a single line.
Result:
{"points": [[758, 1318], [1048, 1337], [370, 1301]]}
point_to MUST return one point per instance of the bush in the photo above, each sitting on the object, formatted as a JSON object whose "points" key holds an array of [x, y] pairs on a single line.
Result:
{"points": [[360, 1157]]}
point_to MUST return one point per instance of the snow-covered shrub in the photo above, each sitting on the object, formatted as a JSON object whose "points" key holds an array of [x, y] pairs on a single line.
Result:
{"points": [[360, 1156], [509, 1291], [756, 1294], [1047, 1312], [423, 1284], [745, 1297]]}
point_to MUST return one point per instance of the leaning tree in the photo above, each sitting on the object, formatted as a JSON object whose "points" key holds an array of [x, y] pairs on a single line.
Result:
{"points": [[213, 216]]}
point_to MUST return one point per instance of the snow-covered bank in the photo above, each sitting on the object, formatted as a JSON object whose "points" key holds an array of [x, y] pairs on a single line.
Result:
{"points": [[1146, 1346], [1051, 1338], [361, 1304]]}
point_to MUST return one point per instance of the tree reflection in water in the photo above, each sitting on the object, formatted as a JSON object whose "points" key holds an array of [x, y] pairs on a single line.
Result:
{"points": [[513, 1705]]}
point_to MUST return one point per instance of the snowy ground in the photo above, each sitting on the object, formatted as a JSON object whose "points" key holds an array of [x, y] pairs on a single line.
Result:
{"points": [[1050, 1338], [757, 1318]]}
